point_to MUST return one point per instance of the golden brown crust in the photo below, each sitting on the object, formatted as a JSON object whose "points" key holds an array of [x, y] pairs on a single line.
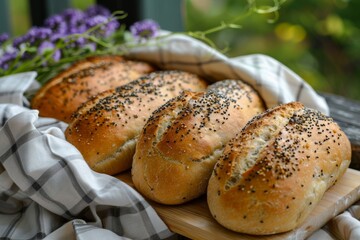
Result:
{"points": [[237, 89], [182, 140], [63, 94], [73, 69], [105, 129], [277, 169]]}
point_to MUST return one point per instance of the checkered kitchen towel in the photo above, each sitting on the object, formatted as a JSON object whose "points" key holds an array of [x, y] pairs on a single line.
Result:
{"points": [[48, 191]]}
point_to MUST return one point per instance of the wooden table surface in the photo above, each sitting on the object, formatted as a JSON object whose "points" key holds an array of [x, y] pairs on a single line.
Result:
{"points": [[346, 113]]}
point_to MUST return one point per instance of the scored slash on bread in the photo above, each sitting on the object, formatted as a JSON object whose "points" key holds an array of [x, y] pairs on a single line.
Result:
{"points": [[183, 139], [105, 129], [272, 175], [62, 95]]}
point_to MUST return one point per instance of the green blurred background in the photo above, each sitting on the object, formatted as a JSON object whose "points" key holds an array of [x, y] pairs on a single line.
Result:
{"points": [[318, 39]]}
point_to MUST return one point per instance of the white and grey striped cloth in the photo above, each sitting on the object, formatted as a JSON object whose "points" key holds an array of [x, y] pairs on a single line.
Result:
{"points": [[274, 81], [47, 191]]}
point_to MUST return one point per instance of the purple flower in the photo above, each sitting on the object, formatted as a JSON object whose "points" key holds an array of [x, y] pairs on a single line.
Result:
{"points": [[97, 10], [145, 29], [98, 19], [3, 37], [75, 29], [56, 23], [49, 46], [45, 46], [20, 40], [38, 34], [44, 41], [6, 59], [111, 27], [33, 36], [74, 19], [80, 42], [72, 14], [56, 36], [74, 43], [57, 55], [107, 27]]}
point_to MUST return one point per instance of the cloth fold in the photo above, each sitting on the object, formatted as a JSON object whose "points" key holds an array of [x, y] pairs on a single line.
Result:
{"points": [[47, 191], [275, 82]]}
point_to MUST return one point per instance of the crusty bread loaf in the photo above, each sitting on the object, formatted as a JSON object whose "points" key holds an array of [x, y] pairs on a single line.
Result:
{"points": [[272, 175], [63, 94], [183, 139], [105, 129]]}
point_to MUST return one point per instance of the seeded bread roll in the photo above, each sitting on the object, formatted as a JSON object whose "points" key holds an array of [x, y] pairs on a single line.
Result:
{"points": [[105, 129], [183, 139], [272, 175], [63, 94]]}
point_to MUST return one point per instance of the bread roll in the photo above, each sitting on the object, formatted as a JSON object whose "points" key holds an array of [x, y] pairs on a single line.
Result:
{"points": [[272, 175], [183, 139], [63, 94], [105, 129]]}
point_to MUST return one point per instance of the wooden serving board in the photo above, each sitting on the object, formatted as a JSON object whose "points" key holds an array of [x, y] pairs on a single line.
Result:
{"points": [[193, 219]]}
